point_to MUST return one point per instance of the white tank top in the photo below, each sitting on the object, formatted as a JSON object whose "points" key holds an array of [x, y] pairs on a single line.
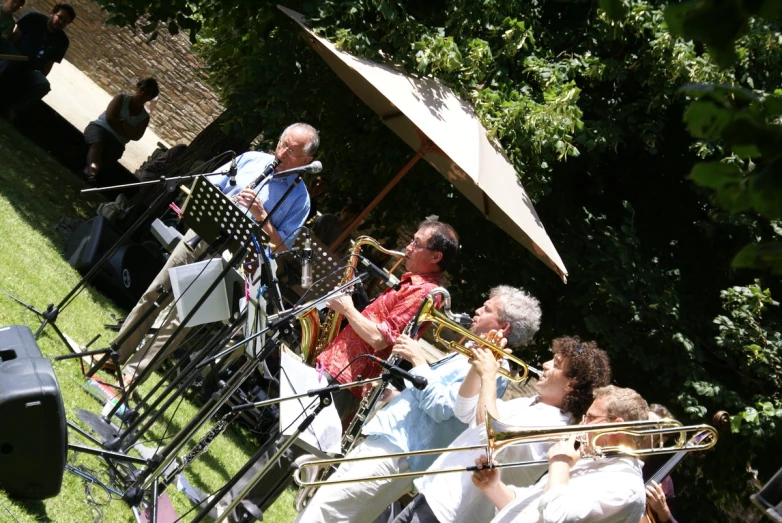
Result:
{"points": [[124, 114]]}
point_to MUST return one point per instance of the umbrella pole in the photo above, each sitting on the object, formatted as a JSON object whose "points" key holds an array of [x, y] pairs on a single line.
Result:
{"points": [[425, 148]]}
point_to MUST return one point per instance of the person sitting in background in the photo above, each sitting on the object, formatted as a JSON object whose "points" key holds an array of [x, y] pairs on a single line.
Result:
{"points": [[152, 169], [7, 21], [124, 119], [43, 41]]}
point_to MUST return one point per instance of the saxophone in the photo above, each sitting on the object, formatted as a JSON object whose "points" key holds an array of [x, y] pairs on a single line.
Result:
{"points": [[316, 335]]}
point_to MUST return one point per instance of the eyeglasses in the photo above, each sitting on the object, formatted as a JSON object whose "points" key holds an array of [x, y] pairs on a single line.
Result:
{"points": [[287, 151], [588, 418], [417, 245]]}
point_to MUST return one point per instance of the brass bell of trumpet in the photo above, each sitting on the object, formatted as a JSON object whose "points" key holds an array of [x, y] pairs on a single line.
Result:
{"points": [[442, 319]]}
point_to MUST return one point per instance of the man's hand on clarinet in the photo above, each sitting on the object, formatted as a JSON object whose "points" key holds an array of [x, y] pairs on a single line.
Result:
{"points": [[249, 199], [409, 349]]}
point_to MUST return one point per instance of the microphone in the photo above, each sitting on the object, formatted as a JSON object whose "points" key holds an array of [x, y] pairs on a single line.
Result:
{"points": [[389, 280], [314, 167], [463, 319], [306, 265], [419, 382], [232, 171]]}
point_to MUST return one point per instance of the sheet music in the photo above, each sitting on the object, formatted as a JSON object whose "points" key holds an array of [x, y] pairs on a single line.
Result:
{"points": [[325, 433]]}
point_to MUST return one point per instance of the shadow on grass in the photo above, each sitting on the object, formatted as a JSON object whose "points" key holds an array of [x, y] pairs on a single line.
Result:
{"points": [[42, 156], [40, 189], [35, 508]]}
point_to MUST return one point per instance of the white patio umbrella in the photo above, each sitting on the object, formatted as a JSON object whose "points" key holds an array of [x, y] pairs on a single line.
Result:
{"points": [[444, 131]]}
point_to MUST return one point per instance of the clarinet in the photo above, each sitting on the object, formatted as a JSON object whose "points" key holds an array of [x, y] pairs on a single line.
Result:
{"points": [[202, 446], [193, 242]]}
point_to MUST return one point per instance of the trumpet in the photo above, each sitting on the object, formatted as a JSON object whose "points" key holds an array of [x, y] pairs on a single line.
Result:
{"points": [[442, 319], [649, 433]]}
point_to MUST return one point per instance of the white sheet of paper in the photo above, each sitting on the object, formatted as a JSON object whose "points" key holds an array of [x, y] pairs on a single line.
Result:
{"points": [[325, 432]]}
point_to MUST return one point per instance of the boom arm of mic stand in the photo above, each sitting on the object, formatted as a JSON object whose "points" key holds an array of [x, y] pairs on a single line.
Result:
{"points": [[310, 393], [275, 320]]}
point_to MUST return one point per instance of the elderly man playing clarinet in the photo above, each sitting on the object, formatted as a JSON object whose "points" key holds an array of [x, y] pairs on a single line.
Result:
{"points": [[296, 148], [609, 490], [565, 391], [418, 419]]}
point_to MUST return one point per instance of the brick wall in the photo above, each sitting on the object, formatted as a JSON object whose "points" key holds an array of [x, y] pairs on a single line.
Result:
{"points": [[116, 58]]}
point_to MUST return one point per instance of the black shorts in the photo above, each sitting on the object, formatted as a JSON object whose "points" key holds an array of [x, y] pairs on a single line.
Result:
{"points": [[112, 148]]}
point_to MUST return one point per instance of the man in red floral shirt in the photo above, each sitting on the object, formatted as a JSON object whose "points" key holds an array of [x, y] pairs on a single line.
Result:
{"points": [[374, 330]]}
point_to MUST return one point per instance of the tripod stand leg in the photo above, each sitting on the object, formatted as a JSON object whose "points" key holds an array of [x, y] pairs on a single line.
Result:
{"points": [[155, 495], [325, 401], [179, 384]]}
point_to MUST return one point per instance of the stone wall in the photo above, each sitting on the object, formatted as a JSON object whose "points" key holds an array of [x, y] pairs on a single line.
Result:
{"points": [[116, 58]]}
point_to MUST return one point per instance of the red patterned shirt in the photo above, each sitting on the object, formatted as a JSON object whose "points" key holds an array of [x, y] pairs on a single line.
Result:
{"points": [[391, 311]]}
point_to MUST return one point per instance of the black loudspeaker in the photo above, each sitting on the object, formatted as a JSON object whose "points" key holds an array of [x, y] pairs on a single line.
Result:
{"points": [[129, 271], [33, 434]]}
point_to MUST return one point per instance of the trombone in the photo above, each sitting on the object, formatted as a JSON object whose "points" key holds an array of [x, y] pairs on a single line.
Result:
{"points": [[650, 433], [428, 312]]}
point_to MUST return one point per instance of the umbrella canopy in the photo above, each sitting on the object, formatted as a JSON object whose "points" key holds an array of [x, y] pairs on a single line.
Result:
{"points": [[445, 131]]}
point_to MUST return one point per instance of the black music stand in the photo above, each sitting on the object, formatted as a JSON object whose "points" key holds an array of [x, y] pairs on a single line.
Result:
{"points": [[326, 270], [218, 220]]}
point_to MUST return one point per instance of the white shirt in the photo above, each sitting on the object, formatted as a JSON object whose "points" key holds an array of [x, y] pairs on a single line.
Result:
{"points": [[453, 497], [608, 490]]}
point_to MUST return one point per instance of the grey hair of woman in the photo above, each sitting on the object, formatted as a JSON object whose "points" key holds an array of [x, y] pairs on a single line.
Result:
{"points": [[521, 311], [314, 141]]}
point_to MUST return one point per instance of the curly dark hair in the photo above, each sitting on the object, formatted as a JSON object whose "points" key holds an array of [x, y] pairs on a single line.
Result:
{"points": [[589, 368], [150, 86], [661, 410]]}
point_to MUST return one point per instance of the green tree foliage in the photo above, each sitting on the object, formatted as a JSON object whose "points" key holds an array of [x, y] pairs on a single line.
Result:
{"points": [[589, 110]]}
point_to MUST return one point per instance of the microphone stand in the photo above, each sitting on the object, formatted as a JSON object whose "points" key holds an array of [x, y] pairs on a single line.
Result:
{"points": [[275, 320], [324, 396], [237, 257], [52, 311], [160, 462], [149, 476], [166, 455]]}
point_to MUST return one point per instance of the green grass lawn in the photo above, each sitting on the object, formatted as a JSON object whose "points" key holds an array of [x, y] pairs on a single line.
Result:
{"points": [[35, 193]]}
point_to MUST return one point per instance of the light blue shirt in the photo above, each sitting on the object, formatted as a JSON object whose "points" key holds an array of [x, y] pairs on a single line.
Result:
{"points": [[424, 419], [293, 211]]}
